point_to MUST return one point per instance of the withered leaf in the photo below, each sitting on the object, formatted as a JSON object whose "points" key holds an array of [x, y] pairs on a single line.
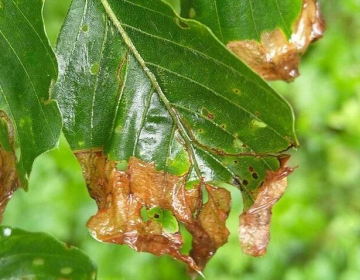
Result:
{"points": [[254, 230], [121, 196], [9, 180], [276, 57]]}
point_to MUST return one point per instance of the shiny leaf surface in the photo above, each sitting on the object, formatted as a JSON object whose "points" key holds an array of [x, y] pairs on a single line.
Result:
{"points": [[156, 104], [233, 20], [25, 255], [30, 119]]}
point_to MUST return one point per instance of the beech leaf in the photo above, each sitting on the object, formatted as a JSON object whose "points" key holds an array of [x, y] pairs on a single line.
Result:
{"points": [[27, 255], [270, 36], [30, 121], [159, 113], [254, 231]]}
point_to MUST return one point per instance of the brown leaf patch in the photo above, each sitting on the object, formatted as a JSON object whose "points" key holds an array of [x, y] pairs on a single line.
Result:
{"points": [[123, 195], [210, 231], [254, 230], [277, 58], [9, 180]]}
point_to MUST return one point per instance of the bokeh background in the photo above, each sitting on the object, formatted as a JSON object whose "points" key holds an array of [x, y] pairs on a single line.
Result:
{"points": [[315, 231]]}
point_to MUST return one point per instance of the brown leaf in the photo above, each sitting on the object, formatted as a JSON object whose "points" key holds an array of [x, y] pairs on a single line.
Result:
{"points": [[277, 58], [9, 180], [254, 230], [123, 195], [211, 231]]}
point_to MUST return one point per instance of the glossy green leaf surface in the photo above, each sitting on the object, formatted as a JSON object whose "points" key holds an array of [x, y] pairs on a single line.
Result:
{"points": [[25, 255], [27, 67], [234, 20], [165, 90]]}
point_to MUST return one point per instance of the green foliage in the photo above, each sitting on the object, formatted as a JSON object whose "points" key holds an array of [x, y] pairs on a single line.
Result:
{"points": [[322, 242], [27, 67], [243, 20], [38, 255], [143, 101]]}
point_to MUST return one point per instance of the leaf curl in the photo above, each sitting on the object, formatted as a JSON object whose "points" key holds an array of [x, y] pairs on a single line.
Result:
{"points": [[254, 229]]}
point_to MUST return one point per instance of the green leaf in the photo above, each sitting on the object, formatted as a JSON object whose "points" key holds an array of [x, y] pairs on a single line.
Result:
{"points": [[25, 255], [137, 81], [233, 20], [165, 85], [27, 67]]}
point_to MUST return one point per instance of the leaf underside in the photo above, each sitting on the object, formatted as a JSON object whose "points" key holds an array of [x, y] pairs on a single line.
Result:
{"points": [[25, 255], [30, 122], [159, 113]]}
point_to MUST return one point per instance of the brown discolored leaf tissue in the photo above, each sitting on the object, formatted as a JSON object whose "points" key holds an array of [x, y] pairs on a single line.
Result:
{"points": [[254, 230], [9, 180], [276, 57], [123, 196]]}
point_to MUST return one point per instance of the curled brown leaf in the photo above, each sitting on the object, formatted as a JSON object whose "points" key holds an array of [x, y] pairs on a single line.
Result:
{"points": [[122, 196], [254, 230], [9, 180], [276, 57]]}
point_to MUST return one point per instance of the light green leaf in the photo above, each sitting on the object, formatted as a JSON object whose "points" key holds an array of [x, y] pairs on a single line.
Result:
{"points": [[25, 255]]}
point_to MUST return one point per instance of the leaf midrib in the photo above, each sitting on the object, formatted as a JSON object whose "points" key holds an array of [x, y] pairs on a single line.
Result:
{"points": [[153, 80]]}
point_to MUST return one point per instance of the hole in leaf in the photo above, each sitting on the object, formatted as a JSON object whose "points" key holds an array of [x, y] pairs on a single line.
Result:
{"points": [[255, 176], [245, 182], [251, 169], [181, 24], [85, 28], [95, 68], [164, 218], [186, 248], [210, 116], [223, 126], [122, 165], [144, 214], [205, 195]]}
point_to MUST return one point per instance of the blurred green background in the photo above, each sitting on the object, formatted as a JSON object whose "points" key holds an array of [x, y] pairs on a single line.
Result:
{"points": [[316, 225]]}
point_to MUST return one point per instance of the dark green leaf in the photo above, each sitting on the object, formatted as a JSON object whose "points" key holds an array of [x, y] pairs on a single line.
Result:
{"points": [[270, 35], [165, 86], [233, 20], [25, 255], [27, 67], [137, 81]]}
